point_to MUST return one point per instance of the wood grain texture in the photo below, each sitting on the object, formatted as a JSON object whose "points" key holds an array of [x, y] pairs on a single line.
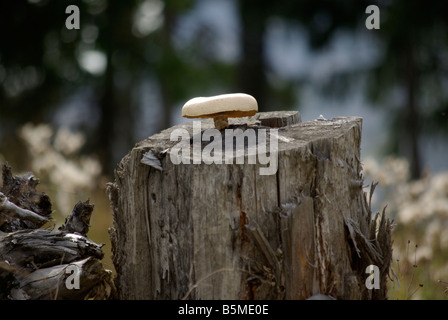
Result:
{"points": [[217, 231]]}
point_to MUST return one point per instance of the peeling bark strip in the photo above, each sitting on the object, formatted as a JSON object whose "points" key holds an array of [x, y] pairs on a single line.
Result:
{"points": [[41, 263], [224, 231]]}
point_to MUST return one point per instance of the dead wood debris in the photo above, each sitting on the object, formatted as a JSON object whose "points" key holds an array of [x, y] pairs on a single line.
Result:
{"points": [[40, 263]]}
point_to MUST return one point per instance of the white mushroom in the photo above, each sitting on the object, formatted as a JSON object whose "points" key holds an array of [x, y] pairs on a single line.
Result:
{"points": [[221, 107]]}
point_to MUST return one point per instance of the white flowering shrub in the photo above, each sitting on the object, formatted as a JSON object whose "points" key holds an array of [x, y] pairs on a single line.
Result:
{"points": [[55, 160]]}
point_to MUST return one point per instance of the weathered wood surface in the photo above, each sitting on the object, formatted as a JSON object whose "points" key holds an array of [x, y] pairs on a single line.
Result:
{"points": [[217, 231], [38, 263], [20, 204]]}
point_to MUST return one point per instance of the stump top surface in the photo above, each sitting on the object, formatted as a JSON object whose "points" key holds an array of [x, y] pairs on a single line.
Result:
{"points": [[297, 132]]}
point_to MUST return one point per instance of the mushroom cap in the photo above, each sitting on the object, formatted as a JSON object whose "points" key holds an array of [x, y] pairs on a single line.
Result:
{"points": [[231, 105]]}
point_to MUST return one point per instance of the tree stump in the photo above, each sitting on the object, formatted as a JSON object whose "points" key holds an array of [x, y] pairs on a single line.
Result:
{"points": [[225, 231]]}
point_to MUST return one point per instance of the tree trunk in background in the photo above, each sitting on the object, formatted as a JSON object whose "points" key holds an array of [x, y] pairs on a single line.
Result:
{"points": [[251, 69], [107, 105], [166, 67], [115, 132], [412, 114], [199, 231]]}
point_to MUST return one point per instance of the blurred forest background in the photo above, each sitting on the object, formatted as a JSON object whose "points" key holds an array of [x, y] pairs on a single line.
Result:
{"points": [[74, 102]]}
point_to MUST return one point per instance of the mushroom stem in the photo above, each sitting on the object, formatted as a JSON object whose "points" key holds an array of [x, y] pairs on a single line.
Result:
{"points": [[221, 122]]}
